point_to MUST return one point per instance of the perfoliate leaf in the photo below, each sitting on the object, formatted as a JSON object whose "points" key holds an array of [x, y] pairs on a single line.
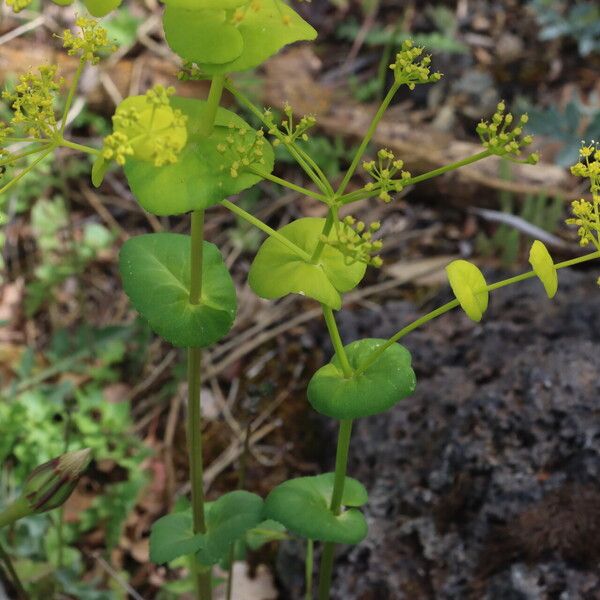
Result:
{"points": [[264, 31], [302, 506], [227, 520], [201, 176], [202, 36], [155, 269], [277, 270], [544, 268], [381, 386], [469, 287], [173, 536]]}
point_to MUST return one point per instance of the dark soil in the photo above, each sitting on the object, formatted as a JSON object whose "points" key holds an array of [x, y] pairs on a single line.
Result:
{"points": [[485, 484]]}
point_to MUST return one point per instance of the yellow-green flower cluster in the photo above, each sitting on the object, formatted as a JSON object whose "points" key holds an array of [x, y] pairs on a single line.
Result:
{"points": [[354, 239], [148, 128], [90, 43], [384, 172], [289, 131], [411, 68], [18, 5], [32, 102], [586, 214], [498, 137], [242, 147]]}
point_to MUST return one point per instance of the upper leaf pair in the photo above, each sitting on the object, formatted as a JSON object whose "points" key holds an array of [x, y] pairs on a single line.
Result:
{"points": [[224, 36]]}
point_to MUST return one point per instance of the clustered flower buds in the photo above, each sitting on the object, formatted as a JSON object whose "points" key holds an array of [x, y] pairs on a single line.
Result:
{"points": [[354, 239], [586, 214], [410, 69], [501, 140], [90, 43], [289, 131], [243, 147], [148, 128], [32, 102], [18, 5], [383, 172]]}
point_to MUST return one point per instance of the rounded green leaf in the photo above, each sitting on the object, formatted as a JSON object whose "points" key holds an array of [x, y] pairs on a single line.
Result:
{"points": [[202, 36], [277, 270], [387, 381], [173, 536], [227, 521], [201, 177], [100, 8], [155, 269], [302, 506], [469, 287], [264, 31], [544, 268]]}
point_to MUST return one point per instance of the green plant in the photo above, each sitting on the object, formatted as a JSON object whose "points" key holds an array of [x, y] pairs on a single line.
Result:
{"points": [[183, 156], [568, 126], [579, 20], [61, 415]]}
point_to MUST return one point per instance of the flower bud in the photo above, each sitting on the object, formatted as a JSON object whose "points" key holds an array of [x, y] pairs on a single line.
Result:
{"points": [[50, 485]]}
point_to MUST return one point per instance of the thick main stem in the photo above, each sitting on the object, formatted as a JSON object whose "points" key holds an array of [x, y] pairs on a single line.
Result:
{"points": [[194, 422], [341, 465], [341, 457]]}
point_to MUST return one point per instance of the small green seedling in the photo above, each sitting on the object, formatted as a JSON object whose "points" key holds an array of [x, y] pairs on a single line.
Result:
{"points": [[182, 156]]}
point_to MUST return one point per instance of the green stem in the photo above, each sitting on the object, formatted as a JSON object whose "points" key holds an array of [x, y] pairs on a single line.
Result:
{"points": [[336, 340], [212, 105], [341, 457], [71, 95], [341, 466], [326, 231], [196, 256], [15, 511], [285, 183], [364, 194], [80, 147], [317, 170], [16, 157], [24, 172], [266, 229], [16, 581], [308, 569], [294, 151], [369, 136], [455, 304]]}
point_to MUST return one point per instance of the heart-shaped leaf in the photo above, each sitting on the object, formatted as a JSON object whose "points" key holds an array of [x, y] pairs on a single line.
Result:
{"points": [[201, 177], [227, 520], [469, 287], [387, 381], [173, 536], [202, 36], [155, 269], [544, 268], [302, 506], [277, 270]]}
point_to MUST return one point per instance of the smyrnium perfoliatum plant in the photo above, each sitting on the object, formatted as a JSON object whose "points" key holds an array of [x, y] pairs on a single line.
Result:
{"points": [[182, 156]]}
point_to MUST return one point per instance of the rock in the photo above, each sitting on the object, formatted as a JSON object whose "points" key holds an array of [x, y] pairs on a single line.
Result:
{"points": [[484, 484]]}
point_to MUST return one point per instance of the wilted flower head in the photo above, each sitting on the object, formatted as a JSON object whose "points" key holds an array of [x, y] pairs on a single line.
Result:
{"points": [[50, 485]]}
